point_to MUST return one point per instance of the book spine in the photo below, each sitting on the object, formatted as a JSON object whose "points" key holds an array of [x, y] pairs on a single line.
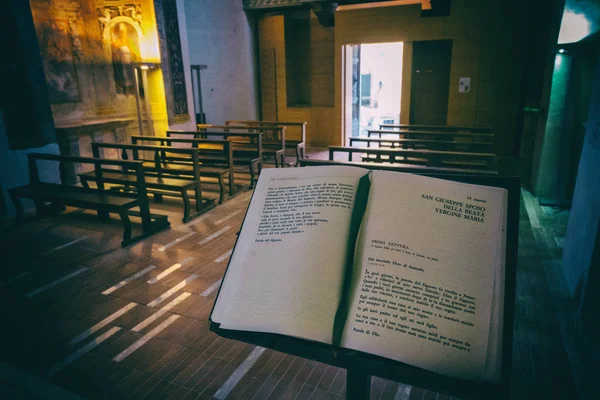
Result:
{"points": [[358, 211]]}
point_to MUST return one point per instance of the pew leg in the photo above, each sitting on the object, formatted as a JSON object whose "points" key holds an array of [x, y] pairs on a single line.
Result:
{"points": [[282, 159], [252, 176], [84, 182], [39, 208], [298, 152], [103, 216], [231, 183], [186, 204], [158, 198], [126, 227], [18, 208], [302, 153], [198, 195], [221, 189], [55, 208]]}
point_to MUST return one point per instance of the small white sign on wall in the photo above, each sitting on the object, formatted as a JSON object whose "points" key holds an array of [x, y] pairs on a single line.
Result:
{"points": [[464, 85]]}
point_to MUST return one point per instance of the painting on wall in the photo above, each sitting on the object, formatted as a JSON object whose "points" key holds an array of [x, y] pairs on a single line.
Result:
{"points": [[59, 55]]}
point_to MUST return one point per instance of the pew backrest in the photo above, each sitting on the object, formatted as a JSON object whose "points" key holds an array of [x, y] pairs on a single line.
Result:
{"points": [[431, 157], [301, 126], [439, 128], [443, 135], [253, 140], [97, 162], [159, 158], [203, 146], [411, 168], [433, 144], [272, 136]]}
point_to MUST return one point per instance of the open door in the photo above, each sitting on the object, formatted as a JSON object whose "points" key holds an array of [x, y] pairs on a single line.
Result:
{"points": [[372, 86]]}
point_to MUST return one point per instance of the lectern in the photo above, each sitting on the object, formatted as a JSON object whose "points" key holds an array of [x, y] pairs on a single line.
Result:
{"points": [[361, 366]]}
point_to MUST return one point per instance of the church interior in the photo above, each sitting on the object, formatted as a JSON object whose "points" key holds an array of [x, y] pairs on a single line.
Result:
{"points": [[133, 132]]}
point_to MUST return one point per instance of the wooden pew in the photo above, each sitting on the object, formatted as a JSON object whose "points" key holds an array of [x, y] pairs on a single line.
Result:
{"points": [[431, 158], [98, 199], [432, 144], [438, 128], [434, 135], [410, 168], [247, 148], [215, 157], [299, 145], [160, 180], [273, 138]]}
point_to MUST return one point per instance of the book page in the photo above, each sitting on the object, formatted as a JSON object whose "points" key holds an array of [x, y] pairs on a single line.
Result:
{"points": [[428, 252], [285, 275]]}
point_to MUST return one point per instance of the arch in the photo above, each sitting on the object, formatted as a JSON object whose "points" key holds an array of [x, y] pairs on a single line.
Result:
{"points": [[114, 21]]}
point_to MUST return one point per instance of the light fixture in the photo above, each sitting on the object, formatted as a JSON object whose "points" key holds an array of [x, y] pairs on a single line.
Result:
{"points": [[573, 27], [146, 65]]}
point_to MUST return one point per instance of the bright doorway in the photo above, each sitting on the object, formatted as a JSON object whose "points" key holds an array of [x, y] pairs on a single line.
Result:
{"points": [[376, 85]]}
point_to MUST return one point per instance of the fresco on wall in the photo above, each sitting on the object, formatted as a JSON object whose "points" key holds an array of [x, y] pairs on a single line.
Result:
{"points": [[125, 48], [59, 54]]}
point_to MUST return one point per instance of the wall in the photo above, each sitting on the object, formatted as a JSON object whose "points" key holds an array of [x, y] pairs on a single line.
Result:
{"points": [[220, 35], [486, 47], [77, 42], [13, 166], [322, 62], [319, 113], [73, 45], [185, 52], [582, 229], [297, 59], [155, 78], [406, 83], [560, 146]]}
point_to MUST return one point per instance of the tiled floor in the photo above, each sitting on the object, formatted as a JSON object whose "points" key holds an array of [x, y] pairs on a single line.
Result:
{"points": [[73, 315]]}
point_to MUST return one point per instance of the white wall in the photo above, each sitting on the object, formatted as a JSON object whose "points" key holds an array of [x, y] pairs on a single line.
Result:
{"points": [[220, 36], [584, 216]]}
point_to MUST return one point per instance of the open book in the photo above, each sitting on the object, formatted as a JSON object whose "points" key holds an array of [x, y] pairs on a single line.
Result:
{"points": [[406, 267]]}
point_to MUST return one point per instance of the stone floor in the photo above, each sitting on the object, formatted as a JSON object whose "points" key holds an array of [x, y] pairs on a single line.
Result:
{"points": [[82, 316]]}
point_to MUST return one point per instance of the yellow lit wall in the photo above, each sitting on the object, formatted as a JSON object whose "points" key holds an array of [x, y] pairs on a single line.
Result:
{"points": [[79, 39], [486, 47], [319, 118]]}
